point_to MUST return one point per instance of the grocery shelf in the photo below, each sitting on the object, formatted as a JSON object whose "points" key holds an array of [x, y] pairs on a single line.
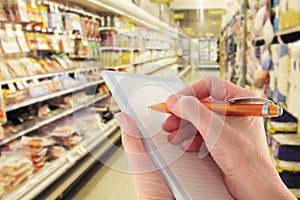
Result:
{"points": [[159, 68], [51, 172], [48, 120], [282, 165], [153, 60], [134, 49], [47, 75], [50, 96], [288, 31], [108, 29], [181, 74]]}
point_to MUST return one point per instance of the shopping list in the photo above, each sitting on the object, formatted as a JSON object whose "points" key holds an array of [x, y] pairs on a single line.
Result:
{"points": [[187, 176]]}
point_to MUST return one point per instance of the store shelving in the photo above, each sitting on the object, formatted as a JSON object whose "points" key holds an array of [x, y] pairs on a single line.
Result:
{"points": [[47, 120], [41, 180], [48, 75], [50, 96]]}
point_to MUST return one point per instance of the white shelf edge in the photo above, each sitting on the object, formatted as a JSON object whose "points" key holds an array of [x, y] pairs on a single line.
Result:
{"points": [[52, 119], [50, 96], [39, 76], [288, 30]]}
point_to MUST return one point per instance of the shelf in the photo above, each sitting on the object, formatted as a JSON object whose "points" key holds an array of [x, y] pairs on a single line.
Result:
{"points": [[47, 75], [181, 74], [62, 114], [288, 31], [282, 165], [134, 49], [50, 96], [108, 29], [159, 68], [41, 180], [150, 61]]}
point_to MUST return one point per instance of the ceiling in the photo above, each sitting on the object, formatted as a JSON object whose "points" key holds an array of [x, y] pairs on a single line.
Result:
{"points": [[196, 4], [198, 15]]}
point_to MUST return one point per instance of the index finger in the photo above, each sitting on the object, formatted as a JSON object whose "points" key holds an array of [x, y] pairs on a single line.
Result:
{"points": [[218, 89]]}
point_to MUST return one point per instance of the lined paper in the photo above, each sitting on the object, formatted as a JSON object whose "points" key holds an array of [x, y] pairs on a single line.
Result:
{"points": [[187, 176]]}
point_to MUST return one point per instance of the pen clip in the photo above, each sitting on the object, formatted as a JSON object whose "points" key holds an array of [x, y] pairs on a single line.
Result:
{"points": [[251, 100]]}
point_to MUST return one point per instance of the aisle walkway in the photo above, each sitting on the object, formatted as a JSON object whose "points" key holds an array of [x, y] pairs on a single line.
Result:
{"points": [[107, 183]]}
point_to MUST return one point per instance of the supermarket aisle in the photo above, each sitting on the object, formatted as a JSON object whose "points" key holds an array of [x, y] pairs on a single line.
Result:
{"points": [[105, 183]]}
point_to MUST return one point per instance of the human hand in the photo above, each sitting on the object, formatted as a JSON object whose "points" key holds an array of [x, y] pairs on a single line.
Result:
{"points": [[148, 181], [237, 144]]}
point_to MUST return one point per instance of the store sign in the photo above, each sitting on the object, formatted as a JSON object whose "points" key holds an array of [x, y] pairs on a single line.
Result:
{"points": [[161, 1], [216, 12], [214, 23], [177, 16]]}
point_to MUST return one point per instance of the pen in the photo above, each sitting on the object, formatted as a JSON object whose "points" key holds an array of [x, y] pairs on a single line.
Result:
{"points": [[254, 110]]}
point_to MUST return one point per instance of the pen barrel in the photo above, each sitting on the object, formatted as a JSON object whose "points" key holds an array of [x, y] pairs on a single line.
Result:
{"points": [[254, 110]]}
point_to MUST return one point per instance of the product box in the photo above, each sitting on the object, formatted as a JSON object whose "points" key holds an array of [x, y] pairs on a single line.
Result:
{"points": [[286, 147], [290, 179]]}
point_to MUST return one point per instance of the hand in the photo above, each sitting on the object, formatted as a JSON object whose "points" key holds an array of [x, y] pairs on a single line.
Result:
{"points": [[237, 144], [148, 181]]}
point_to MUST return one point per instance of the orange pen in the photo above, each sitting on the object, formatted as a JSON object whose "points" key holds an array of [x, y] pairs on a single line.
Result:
{"points": [[232, 109]]}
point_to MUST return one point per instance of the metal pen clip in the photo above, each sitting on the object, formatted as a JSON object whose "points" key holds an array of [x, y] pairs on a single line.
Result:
{"points": [[250, 100], [254, 100]]}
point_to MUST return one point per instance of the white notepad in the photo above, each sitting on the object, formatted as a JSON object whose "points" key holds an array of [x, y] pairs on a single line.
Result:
{"points": [[187, 176]]}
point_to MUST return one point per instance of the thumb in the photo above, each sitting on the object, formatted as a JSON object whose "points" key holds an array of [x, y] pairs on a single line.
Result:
{"points": [[208, 123]]}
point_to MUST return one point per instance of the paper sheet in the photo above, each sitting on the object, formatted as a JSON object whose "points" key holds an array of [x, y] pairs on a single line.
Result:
{"points": [[187, 176]]}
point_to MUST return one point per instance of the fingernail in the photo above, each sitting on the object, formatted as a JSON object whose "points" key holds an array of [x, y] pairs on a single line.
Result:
{"points": [[119, 119], [172, 100]]}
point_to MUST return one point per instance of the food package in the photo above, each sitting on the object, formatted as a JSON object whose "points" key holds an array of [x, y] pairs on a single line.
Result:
{"points": [[65, 136], [15, 169], [56, 152], [16, 68], [13, 97], [290, 179], [286, 147]]}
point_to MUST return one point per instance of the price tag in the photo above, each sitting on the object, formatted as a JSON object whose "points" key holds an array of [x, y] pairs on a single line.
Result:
{"points": [[19, 85], [12, 87], [35, 81], [26, 85]]}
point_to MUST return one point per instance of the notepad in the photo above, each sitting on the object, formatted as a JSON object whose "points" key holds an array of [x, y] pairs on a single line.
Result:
{"points": [[187, 176]]}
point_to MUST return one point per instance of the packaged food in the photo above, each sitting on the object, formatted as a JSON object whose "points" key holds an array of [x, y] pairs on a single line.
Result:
{"points": [[36, 65], [21, 14], [16, 68], [4, 70], [2, 13], [44, 16], [65, 136], [31, 40], [21, 39], [56, 152], [28, 66], [13, 97], [8, 40]]}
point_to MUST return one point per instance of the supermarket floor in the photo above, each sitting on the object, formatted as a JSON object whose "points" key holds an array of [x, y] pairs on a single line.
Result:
{"points": [[106, 183]]}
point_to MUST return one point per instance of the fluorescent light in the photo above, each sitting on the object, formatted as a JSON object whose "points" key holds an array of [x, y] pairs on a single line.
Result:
{"points": [[201, 11], [120, 12]]}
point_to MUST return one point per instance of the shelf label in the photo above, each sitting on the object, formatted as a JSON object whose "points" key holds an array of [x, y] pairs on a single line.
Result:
{"points": [[12, 87], [161, 1], [19, 85], [35, 81], [177, 16]]}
